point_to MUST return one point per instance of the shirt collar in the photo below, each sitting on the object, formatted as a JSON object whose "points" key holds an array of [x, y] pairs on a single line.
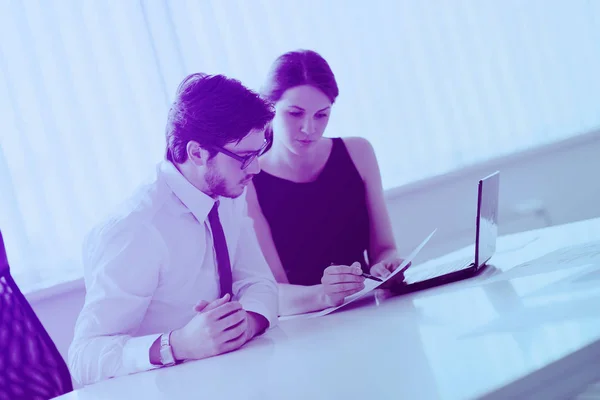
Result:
{"points": [[196, 201]]}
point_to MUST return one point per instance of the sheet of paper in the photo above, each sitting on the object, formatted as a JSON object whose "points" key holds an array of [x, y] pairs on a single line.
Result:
{"points": [[370, 285]]}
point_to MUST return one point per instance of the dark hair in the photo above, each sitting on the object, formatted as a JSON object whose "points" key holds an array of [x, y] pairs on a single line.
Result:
{"points": [[297, 68], [213, 110]]}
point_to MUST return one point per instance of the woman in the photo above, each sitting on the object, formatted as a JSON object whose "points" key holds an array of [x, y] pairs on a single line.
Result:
{"points": [[318, 202]]}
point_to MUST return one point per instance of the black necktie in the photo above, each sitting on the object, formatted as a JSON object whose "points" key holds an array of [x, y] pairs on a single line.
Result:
{"points": [[220, 244]]}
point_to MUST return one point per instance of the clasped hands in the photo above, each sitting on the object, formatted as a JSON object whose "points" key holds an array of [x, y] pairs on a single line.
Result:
{"points": [[218, 327]]}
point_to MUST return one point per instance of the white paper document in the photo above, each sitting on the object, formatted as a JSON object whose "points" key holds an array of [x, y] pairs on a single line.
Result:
{"points": [[370, 285]]}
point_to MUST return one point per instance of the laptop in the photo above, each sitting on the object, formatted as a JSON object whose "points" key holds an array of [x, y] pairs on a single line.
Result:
{"points": [[486, 232]]}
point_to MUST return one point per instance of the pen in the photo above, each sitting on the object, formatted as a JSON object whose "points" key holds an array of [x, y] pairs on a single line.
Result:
{"points": [[364, 274]]}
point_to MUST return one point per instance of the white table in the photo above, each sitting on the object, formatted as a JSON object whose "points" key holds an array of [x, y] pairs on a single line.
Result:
{"points": [[530, 331]]}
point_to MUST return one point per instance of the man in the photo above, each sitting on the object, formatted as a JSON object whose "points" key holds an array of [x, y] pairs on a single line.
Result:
{"points": [[177, 273]]}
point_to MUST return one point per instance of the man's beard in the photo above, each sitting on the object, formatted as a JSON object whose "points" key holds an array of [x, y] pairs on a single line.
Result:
{"points": [[217, 184]]}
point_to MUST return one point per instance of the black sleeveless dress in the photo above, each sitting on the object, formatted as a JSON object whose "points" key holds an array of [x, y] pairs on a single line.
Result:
{"points": [[315, 224]]}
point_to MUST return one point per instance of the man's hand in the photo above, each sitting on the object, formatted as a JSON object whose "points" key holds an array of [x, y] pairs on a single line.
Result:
{"points": [[341, 281], [257, 324], [219, 327]]}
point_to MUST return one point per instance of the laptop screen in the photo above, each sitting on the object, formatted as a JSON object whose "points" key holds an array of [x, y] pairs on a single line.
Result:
{"points": [[487, 218]]}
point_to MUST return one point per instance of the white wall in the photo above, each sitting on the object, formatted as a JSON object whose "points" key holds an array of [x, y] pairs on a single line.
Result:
{"points": [[561, 178], [554, 184], [428, 81], [58, 313]]}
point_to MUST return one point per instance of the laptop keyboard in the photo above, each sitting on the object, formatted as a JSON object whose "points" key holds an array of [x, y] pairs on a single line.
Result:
{"points": [[418, 275]]}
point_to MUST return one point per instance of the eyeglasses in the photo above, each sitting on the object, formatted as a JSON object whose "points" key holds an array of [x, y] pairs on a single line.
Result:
{"points": [[245, 160]]}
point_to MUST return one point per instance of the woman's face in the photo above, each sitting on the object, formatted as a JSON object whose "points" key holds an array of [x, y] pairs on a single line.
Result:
{"points": [[301, 116]]}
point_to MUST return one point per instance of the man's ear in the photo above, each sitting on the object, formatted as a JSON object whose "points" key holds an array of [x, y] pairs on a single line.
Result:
{"points": [[196, 154]]}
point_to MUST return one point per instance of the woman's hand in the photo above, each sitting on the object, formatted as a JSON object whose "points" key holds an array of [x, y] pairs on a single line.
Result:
{"points": [[384, 268], [341, 281]]}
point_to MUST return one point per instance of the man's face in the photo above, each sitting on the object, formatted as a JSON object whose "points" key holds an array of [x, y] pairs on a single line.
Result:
{"points": [[224, 175]]}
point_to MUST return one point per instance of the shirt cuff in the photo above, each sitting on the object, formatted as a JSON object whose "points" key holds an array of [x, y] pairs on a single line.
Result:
{"points": [[136, 354], [259, 308]]}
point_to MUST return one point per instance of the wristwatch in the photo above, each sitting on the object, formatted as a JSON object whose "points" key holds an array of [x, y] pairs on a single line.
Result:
{"points": [[166, 351]]}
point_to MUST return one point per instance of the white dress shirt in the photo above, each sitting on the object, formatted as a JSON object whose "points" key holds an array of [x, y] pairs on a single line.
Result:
{"points": [[148, 265]]}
